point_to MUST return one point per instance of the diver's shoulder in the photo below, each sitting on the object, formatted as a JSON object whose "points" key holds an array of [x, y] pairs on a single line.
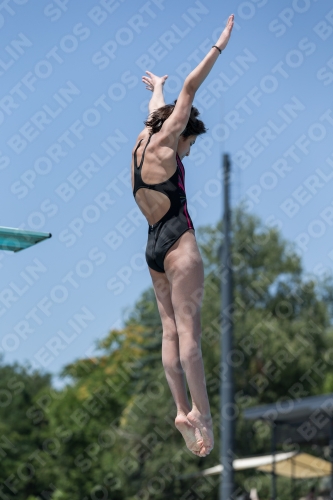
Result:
{"points": [[144, 134]]}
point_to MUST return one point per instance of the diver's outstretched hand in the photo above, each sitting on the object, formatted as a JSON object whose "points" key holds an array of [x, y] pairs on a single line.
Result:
{"points": [[225, 35], [151, 81]]}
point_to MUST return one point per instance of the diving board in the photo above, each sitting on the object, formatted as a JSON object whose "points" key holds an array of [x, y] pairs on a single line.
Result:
{"points": [[14, 240]]}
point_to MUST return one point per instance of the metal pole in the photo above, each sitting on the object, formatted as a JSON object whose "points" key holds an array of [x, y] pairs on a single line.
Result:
{"points": [[273, 450], [293, 487], [227, 385], [331, 456]]}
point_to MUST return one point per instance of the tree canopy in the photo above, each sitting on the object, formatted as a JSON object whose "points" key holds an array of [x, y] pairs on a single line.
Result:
{"points": [[110, 432]]}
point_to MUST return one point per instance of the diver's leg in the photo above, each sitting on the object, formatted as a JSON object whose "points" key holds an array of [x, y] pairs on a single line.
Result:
{"points": [[184, 270], [171, 362]]}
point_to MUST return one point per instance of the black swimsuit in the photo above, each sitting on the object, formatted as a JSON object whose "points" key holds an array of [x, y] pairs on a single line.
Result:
{"points": [[164, 233]]}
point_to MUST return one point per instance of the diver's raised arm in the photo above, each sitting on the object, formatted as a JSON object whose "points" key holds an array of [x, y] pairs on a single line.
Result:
{"points": [[178, 120], [198, 75], [155, 84]]}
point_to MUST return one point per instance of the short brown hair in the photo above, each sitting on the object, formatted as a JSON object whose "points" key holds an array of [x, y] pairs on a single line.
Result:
{"points": [[157, 118]]}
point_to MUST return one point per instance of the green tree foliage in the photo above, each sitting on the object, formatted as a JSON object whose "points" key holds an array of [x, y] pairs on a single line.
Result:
{"points": [[25, 460], [110, 433], [284, 319]]}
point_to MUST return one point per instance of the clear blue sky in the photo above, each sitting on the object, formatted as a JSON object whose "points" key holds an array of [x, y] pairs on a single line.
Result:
{"points": [[72, 104]]}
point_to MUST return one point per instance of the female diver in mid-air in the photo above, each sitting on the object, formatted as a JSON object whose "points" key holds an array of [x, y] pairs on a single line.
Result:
{"points": [[172, 254]]}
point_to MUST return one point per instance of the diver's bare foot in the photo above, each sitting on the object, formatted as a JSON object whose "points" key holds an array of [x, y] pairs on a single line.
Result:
{"points": [[205, 426], [191, 435]]}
